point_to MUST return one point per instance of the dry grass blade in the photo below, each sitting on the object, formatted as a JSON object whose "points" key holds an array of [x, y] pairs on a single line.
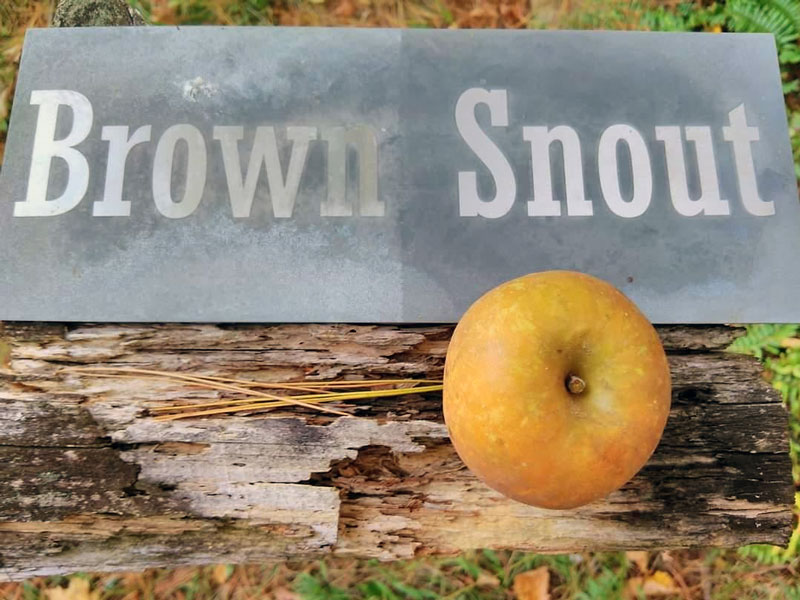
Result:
{"points": [[236, 409], [200, 380], [329, 397], [243, 382], [331, 391], [210, 384], [325, 384]]}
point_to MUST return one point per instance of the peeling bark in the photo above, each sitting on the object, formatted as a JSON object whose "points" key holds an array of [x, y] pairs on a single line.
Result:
{"points": [[92, 482]]}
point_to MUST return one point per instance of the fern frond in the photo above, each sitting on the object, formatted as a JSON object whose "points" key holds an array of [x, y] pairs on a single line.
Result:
{"points": [[790, 9], [778, 17], [763, 338]]}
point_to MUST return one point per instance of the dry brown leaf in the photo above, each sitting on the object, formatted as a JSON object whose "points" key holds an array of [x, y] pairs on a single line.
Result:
{"points": [[639, 558], [78, 589], [220, 574], [533, 585], [345, 9], [514, 15], [659, 583], [487, 580], [661, 580]]}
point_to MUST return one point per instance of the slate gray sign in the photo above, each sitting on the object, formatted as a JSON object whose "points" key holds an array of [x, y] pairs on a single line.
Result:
{"points": [[296, 175]]}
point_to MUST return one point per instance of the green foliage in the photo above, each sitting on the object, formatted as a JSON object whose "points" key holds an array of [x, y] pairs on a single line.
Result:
{"points": [[411, 593], [29, 592], [781, 18], [475, 575], [794, 136], [377, 590], [686, 16], [608, 584], [764, 554], [778, 347], [598, 14], [468, 567], [562, 566], [790, 593], [785, 371], [763, 338], [205, 12], [790, 54], [318, 587]]}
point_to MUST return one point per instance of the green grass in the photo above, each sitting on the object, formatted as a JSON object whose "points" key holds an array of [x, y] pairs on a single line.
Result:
{"points": [[478, 575], [193, 12]]}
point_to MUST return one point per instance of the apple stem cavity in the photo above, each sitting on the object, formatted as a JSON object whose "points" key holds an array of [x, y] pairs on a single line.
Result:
{"points": [[575, 384]]}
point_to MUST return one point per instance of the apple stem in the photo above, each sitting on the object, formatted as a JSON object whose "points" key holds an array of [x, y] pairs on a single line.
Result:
{"points": [[575, 384]]}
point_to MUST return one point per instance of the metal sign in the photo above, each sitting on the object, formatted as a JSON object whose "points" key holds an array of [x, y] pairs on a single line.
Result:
{"points": [[281, 174]]}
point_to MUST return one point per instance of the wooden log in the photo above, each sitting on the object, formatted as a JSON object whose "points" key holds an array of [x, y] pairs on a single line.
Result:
{"points": [[92, 482]]}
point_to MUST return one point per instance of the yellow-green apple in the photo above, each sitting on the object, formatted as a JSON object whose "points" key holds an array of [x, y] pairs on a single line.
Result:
{"points": [[556, 389]]}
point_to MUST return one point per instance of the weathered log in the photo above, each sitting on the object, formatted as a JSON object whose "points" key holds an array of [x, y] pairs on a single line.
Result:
{"points": [[92, 482]]}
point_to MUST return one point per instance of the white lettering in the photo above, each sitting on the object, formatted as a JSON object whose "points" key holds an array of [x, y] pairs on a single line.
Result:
{"points": [[283, 192], [470, 204], [338, 139], [543, 204], [119, 145], [609, 173], [709, 202], [195, 171], [45, 147], [740, 135]]}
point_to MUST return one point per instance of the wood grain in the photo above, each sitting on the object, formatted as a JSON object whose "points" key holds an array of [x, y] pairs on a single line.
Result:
{"points": [[92, 482]]}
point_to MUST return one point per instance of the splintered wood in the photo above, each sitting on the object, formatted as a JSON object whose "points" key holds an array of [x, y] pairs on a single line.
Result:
{"points": [[93, 481]]}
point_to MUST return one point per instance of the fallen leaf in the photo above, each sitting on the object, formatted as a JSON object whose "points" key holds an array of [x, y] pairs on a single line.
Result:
{"points": [[220, 574], [78, 589], [487, 580], [345, 9], [533, 585], [661, 580], [659, 583], [640, 559]]}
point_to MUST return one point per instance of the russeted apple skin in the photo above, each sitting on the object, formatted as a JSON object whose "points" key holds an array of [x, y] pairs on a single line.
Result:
{"points": [[507, 408]]}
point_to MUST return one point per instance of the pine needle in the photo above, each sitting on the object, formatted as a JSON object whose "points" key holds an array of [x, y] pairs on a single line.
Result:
{"points": [[336, 396], [222, 386], [321, 391]]}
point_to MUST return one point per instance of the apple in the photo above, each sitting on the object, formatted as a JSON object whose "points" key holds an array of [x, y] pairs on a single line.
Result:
{"points": [[556, 389]]}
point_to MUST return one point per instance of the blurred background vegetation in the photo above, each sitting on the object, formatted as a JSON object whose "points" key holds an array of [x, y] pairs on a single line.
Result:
{"points": [[749, 572]]}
